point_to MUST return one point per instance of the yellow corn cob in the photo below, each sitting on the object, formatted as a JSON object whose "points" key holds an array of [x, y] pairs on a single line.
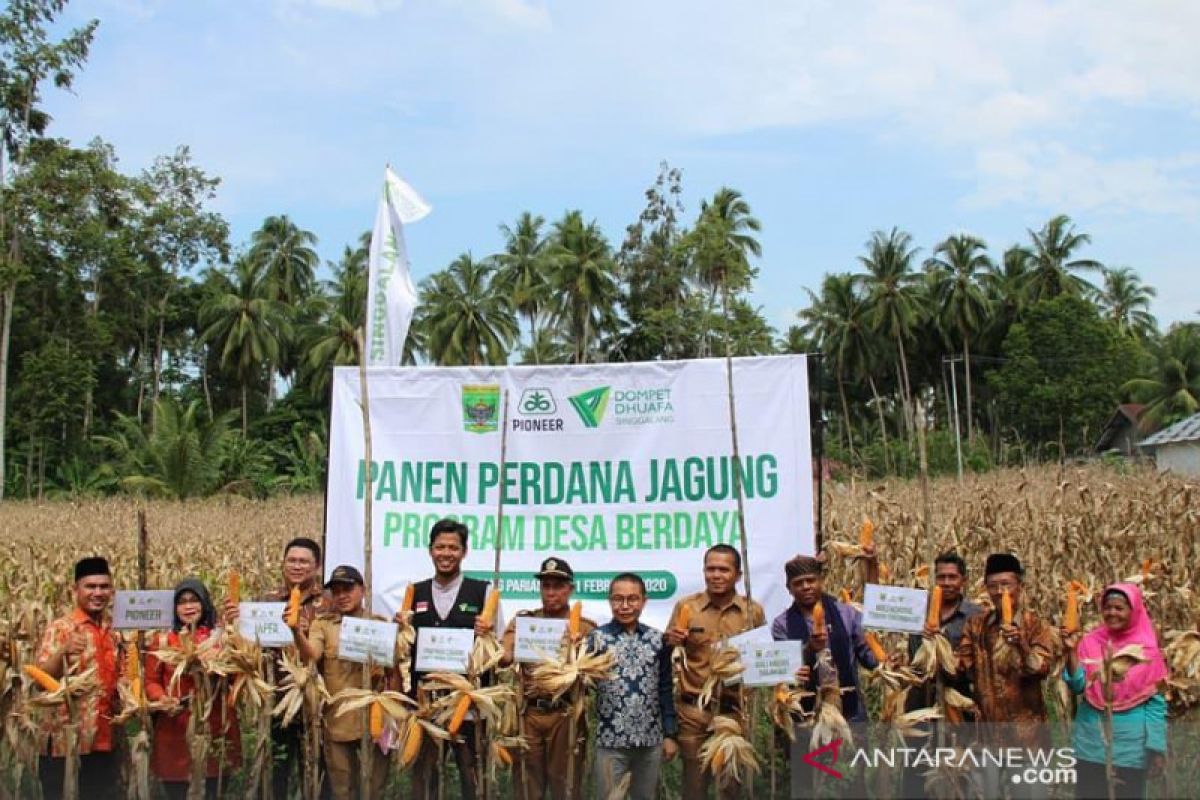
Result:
{"points": [[133, 669], [1006, 609], [460, 714], [818, 618], [885, 573], [845, 596], [685, 616], [235, 587], [503, 754], [576, 621], [41, 678], [718, 761], [781, 693], [376, 720], [412, 746], [490, 605], [293, 608], [876, 647], [934, 615], [866, 534], [408, 599], [1071, 617]]}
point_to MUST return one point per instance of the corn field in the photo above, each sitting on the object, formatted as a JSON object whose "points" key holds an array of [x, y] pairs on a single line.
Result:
{"points": [[1090, 524]]}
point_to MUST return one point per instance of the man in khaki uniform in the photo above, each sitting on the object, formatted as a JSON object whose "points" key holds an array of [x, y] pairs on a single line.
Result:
{"points": [[545, 723], [318, 642], [718, 612]]}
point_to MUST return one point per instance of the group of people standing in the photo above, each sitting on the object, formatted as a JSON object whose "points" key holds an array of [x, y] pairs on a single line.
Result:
{"points": [[648, 712]]}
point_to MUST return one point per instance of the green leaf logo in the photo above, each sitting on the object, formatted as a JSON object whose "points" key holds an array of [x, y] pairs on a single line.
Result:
{"points": [[591, 405]]}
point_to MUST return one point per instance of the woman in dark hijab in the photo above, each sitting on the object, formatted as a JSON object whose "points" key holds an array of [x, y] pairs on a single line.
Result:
{"points": [[195, 618]]}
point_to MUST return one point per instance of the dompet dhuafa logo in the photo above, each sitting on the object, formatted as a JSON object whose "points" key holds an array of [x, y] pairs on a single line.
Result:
{"points": [[591, 405], [481, 408]]}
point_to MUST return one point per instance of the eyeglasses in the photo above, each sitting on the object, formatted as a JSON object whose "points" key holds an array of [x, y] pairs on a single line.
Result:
{"points": [[617, 602]]}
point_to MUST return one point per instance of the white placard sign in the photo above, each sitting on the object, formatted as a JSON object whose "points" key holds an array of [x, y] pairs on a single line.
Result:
{"points": [[612, 467], [147, 610], [538, 638], [894, 608], [769, 664], [264, 622], [444, 649], [744, 641], [363, 640]]}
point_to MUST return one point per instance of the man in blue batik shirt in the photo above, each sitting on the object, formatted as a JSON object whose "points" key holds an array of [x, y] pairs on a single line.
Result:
{"points": [[635, 710]]}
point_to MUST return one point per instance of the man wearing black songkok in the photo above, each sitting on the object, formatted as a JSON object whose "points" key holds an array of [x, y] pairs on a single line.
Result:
{"points": [[73, 644], [1008, 653]]}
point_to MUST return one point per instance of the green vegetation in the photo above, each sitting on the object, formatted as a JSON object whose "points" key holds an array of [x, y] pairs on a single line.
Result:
{"points": [[141, 350]]}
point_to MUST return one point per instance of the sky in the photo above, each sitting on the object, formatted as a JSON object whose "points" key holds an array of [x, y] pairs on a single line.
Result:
{"points": [[834, 119]]}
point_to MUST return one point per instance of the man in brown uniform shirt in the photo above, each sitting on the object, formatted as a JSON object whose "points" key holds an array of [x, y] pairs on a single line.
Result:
{"points": [[716, 613], [544, 722], [319, 643]]}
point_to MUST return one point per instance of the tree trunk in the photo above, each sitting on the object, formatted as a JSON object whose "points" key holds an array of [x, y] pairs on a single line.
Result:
{"points": [[10, 293], [245, 418], [905, 391], [849, 427], [204, 381], [533, 345], [970, 406], [156, 365], [887, 453]]}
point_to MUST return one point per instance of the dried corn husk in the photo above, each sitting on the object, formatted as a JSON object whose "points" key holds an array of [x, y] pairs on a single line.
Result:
{"points": [[787, 707], [935, 653], [82, 685], [727, 754], [578, 666], [302, 686], [726, 666], [488, 701]]}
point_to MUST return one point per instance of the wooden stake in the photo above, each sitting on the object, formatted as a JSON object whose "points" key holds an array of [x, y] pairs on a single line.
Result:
{"points": [[500, 493], [737, 459], [483, 754], [364, 400]]}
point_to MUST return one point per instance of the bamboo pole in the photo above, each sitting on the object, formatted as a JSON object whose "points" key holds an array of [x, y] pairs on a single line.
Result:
{"points": [[482, 754], [737, 459], [365, 756], [500, 493], [140, 760], [749, 715]]}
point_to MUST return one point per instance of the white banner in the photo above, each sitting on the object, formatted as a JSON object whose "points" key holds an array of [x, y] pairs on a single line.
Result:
{"points": [[391, 297], [612, 467]]}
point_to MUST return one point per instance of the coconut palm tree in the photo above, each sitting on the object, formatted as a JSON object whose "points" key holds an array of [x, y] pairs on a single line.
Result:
{"points": [[288, 256], [332, 341], [721, 244], [523, 271], [247, 325], [583, 279], [181, 458], [1173, 391], [1053, 266], [1125, 300], [895, 297], [960, 301], [837, 323], [466, 316]]}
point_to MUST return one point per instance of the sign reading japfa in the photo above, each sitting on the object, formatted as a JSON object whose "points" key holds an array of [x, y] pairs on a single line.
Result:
{"points": [[617, 467]]}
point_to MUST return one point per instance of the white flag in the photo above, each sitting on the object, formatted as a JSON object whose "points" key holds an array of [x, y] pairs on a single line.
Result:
{"points": [[391, 297]]}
